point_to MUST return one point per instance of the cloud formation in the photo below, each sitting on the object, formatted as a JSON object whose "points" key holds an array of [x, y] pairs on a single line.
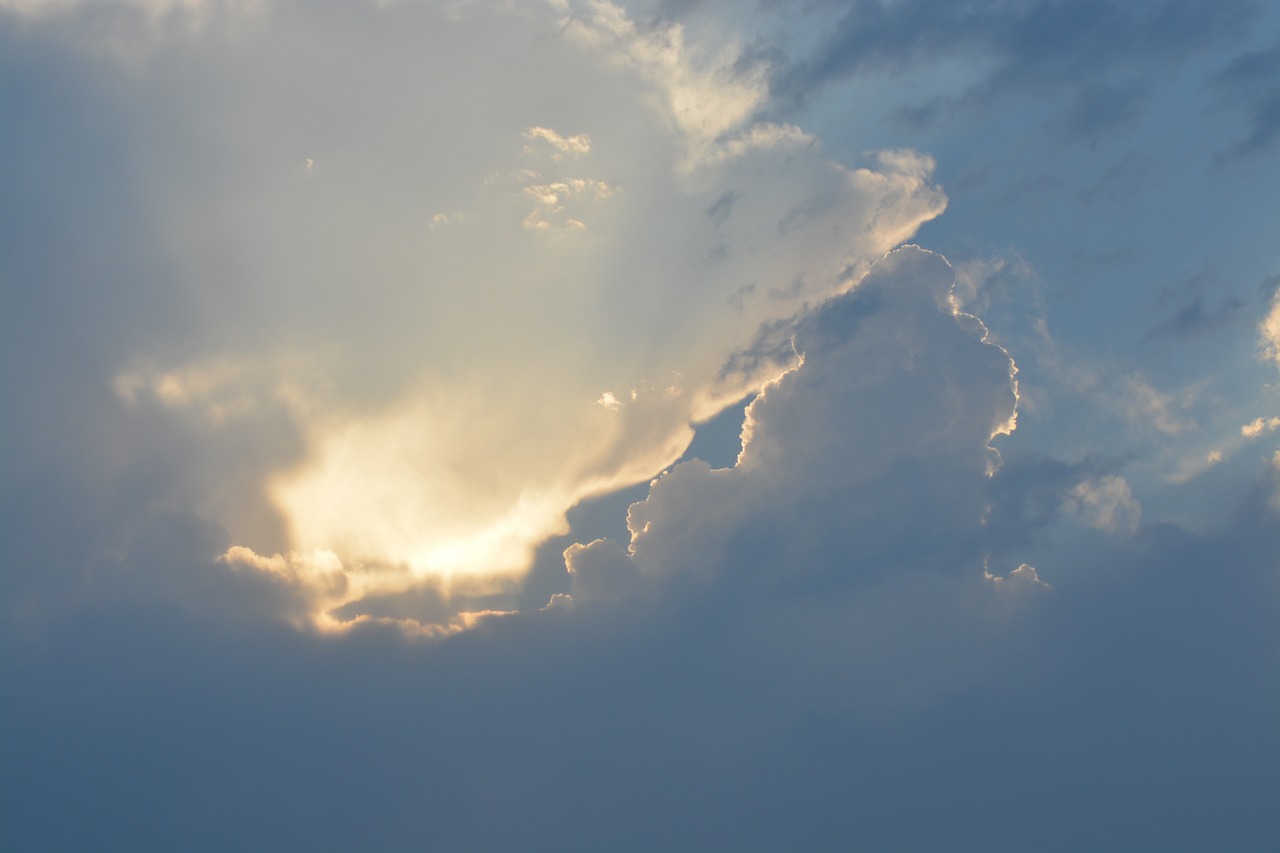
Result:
{"points": [[320, 315], [794, 651], [1270, 331], [885, 420], [423, 398]]}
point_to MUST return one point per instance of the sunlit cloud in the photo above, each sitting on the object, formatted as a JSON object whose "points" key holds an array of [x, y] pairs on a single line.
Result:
{"points": [[441, 326], [578, 143], [1258, 426], [420, 410], [1023, 578], [1270, 331]]}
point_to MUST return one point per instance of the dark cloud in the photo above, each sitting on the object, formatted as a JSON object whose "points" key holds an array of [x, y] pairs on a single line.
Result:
{"points": [[841, 676]]}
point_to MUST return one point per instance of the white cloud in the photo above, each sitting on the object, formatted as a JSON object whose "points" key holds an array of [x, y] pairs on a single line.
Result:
{"points": [[578, 143], [703, 92], [440, 407], [206, 330], [1269, 329], [1024, 577], [550, 201], [1258, 426]]}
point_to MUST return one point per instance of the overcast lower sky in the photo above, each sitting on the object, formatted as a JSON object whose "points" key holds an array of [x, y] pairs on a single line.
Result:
{"points": [[575, 425]]}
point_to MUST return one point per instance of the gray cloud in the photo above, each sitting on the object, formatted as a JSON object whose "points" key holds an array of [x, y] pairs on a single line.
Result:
{"points": [[230, 226], [890, 388], [820, 655]]}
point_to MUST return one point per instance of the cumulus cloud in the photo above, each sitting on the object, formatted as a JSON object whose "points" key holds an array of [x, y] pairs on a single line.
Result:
{"points": [[1259, 426], [869, 460], [1024, 576], [856, 516], [246, 391], [424, 321]]}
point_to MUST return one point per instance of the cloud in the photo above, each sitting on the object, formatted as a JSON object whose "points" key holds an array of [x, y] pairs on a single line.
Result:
{"points": [[420, 400], [802, 646], [578, 143], [1064, 384], [706, 93], [1258, 426], [550, 200], [1269, 330], [1107, 504], [1024, 576], [882, 427]]}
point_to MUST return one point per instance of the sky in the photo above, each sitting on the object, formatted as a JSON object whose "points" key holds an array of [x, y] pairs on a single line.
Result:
{"points": [[679, 425]]}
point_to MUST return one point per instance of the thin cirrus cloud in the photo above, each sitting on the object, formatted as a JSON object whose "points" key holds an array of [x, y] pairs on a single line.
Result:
{"points": [[412, 315]]}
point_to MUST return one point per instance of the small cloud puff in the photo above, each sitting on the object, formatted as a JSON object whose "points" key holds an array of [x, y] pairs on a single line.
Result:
{"points": [[1023, 578], [1258, 426], [550, 202], [558, 146]]}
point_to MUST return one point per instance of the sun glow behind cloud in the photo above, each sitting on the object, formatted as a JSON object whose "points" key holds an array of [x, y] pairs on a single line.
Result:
{"points": [[414, 331]]}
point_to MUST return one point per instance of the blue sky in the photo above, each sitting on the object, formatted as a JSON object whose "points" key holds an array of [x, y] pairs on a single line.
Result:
{"points": [[579, 425]]}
